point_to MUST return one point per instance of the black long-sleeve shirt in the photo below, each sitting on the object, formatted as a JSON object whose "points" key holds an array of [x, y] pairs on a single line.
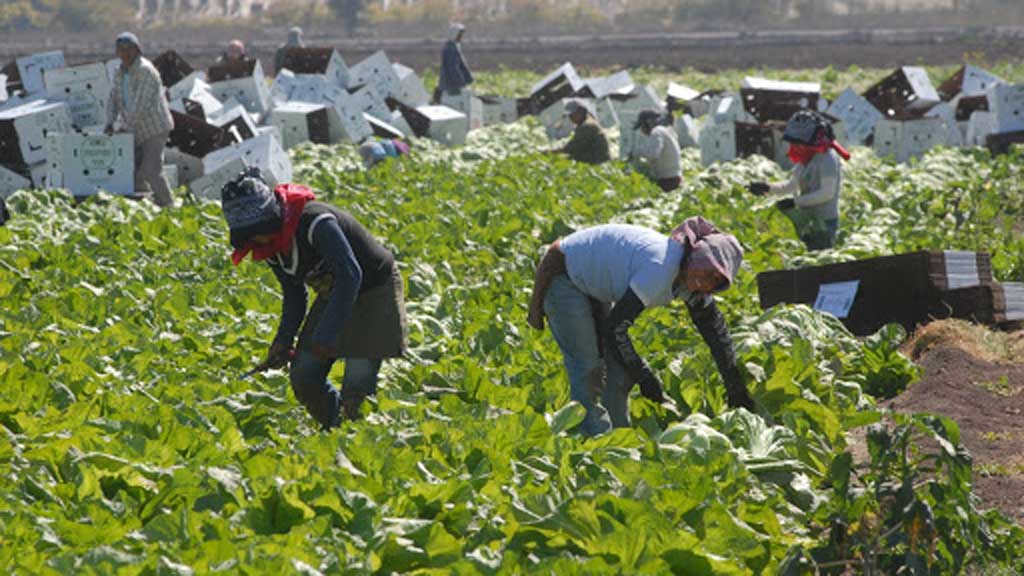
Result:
{"points": [[328, 245]]}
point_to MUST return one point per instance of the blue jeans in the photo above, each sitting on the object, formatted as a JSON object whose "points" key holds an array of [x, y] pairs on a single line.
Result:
{"points": [[592, 374], [321, 399], [823, 238]]}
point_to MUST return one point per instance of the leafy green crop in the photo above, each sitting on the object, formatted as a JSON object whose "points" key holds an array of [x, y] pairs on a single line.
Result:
{"points": [[129, 444]]}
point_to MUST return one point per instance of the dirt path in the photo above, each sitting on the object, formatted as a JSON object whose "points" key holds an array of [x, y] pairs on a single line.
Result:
{"points": [[987, 400]]}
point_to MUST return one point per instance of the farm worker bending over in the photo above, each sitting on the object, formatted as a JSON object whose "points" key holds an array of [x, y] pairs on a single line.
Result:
{"points": [[359, 311], [375, 152], [137, 99], [817, 179], [594, 283], [588, 143], [455, 74], [661, 150], [294, 41]]}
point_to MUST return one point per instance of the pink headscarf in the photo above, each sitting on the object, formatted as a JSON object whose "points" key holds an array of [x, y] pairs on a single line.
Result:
{"points": [[709, 248]]}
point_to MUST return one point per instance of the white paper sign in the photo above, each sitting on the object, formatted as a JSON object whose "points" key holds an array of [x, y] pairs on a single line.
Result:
{"points": [[837, 298]]}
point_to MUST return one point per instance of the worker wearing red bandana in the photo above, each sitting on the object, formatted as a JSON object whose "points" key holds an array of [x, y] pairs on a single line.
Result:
{"points": [[359, 311], [815, 182]]}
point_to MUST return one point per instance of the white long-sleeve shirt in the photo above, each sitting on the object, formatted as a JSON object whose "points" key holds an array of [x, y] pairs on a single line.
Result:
{"points": [[662, 150]]}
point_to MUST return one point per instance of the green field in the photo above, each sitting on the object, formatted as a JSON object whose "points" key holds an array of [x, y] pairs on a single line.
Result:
{"points": [[130, 443]]}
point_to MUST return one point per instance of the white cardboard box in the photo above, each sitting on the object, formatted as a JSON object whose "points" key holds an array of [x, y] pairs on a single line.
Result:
{"points": [[85, 89], [618, 83], [354, 126], [32, 122], [717, 143], [293, 121], [31, 68], [447, 126], [210, 185], [377, 72], [499, 110], [556, 122], [977, 82], [979, 127], [1006, 102], [411, 90], [857, 114], [606, 115], [87, 163], [945, 111], [251, 91], [903, 140], [11, 182], [687, 132], [467, 103], [189, 167], [187, 86], [264, 151], [3, 88]]}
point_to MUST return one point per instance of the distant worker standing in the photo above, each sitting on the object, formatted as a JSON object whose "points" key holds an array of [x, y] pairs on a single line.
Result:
{"points": [[588, 144], [816, 180], [455, 74], [138, 100], [294, 41], [661, 150]]}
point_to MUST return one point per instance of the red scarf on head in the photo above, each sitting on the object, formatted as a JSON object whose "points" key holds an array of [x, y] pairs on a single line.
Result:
{"points": [[802, 154], [293, 198]]}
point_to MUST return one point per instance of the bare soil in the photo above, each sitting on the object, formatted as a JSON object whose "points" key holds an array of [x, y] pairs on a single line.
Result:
{"points": [[987, 400]]}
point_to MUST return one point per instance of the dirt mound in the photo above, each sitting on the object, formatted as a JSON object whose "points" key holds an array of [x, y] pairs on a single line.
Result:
{"points": [[986, 397]]}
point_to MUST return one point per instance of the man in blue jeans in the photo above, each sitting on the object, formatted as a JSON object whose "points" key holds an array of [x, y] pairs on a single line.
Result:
{"points": [[359, 312], [594, 283]]}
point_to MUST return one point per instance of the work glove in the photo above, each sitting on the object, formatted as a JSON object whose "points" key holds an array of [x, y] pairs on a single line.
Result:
{"points": [[759, 188], [279, 355], [785, 204], [651, 388]]}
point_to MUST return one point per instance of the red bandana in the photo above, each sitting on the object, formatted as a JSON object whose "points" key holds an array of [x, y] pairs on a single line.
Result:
{"points": [[802, 154], [293, 198]]}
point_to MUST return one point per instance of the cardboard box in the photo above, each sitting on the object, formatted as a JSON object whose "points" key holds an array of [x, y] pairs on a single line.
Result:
{"points": [[23, 131], [597, 88], [607, 117], [171, 175], [447, 126], [687, 131], [556, 122], [562, 83], [3, 87], [679, 97], [946, 112], [968, 81], [31, 68], [189, 168], [905, 289], [324, 61], [755, 139], [979, 128], [467, 103], [858, 116], [903, 140], [369, 101], [904, 94], [301, 122], [382, 129], [775, 101], [195, 136], [1001, 143], [85, 89], [84, 164], [264, 151], [377, 72], [399, 122], [717, 143], [11, 182], [638, 99], [252, 91], [498, 110], [411, 90], [209, 186], [172, 68], [353, 124], [1007, 104], [234, 120]]}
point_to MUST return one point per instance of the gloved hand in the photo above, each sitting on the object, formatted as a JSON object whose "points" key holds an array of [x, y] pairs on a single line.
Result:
{"points": [[651, 388], [785, 204], [759, 188], [279, 355]]}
